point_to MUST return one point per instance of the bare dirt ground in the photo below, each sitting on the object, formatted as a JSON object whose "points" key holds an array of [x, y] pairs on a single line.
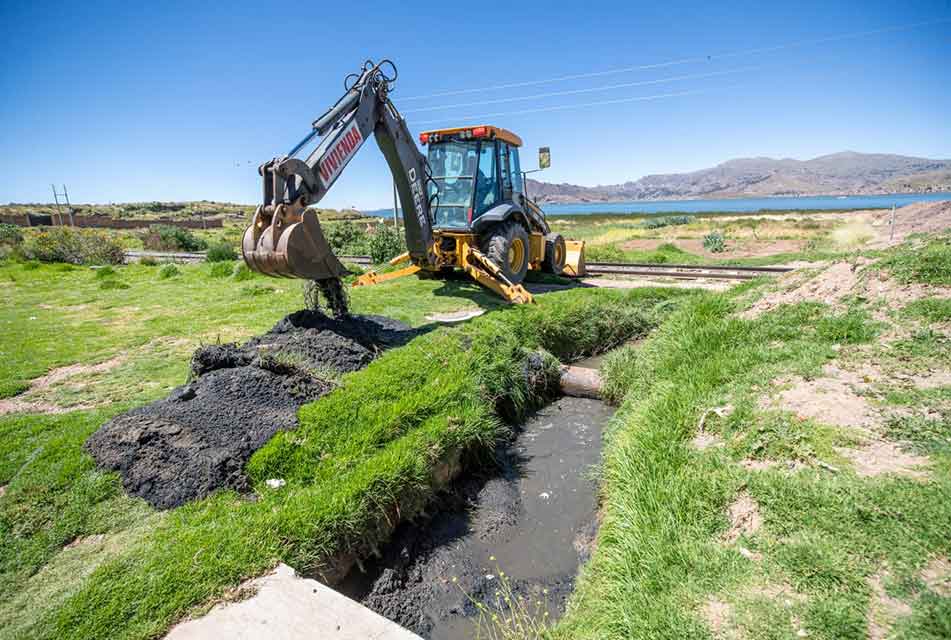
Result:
{"points": [[921, 217], [745, 518], [28, 400]]}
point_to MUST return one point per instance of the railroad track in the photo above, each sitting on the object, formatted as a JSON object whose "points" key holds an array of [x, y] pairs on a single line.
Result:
{"points": [[683, 271], [680, 271]]}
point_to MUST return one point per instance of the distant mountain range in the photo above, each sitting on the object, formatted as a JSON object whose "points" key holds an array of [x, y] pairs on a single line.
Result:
{"points": [[846, 173]]}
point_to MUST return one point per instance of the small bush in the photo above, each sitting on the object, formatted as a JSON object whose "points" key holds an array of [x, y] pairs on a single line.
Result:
{"points": [[105, 272], [164, 237], [168, 271], [347, 238], [72, 245], [148, 261], [10, 234], [714, 242], [668, 221], [221, 270], [386, 243], [604, 253], [221, 252]]}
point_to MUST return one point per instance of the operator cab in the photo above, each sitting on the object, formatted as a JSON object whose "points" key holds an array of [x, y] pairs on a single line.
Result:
{"points": [[473, 170]]}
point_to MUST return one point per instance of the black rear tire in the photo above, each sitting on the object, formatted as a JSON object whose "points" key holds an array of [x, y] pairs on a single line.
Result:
{"points": [[506, 245], [555, 254]]}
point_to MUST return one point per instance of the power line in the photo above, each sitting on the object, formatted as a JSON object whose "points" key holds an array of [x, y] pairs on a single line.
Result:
{"points": [[682, 61], [625, 85], [580, 105]]}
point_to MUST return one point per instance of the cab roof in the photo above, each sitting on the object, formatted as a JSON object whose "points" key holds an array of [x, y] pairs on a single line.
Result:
{"points": [[490, 132]]}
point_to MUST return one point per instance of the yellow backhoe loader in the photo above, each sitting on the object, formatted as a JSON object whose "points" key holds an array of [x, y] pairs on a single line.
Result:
{"points": [[465, 204]]}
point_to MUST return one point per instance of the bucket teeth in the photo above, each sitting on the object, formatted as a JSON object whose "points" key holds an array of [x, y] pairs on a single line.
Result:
{"points": [[282, 246]]}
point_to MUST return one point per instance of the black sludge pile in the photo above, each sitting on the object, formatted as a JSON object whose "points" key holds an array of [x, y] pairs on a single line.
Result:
{"points": [[198, 438]]}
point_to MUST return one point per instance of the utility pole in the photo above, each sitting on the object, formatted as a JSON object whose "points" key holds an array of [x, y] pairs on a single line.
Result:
{"points": [[891, 237]]}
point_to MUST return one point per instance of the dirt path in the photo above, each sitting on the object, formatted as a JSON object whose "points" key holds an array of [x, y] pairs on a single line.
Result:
{"points": [[528, 526]]}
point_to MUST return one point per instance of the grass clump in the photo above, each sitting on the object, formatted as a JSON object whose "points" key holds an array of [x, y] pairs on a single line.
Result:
{"points": [[930, 309], [221, 269], [168, 271], [930, 264]]}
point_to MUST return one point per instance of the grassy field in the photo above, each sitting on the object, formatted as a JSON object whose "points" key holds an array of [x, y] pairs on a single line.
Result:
{"points": [[728, 511], [726, 515], [80, 559]]}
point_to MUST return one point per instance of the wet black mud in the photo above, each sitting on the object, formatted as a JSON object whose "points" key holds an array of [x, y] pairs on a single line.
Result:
{"points": [[198, 438], [533, 518]]}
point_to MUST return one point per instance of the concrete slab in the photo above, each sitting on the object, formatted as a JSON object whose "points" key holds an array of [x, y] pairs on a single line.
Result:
{"points": [[288, 607]]}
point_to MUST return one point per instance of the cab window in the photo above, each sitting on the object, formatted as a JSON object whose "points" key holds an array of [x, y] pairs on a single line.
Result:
{"points": [[516, 171], [487, 188]]}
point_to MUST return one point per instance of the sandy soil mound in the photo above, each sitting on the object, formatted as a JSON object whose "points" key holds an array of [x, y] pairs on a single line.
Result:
{"points": [[920, 217], [197, 440]]}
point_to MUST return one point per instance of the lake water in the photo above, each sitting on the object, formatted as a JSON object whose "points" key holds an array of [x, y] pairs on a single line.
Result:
{"points": [[735, 205]]}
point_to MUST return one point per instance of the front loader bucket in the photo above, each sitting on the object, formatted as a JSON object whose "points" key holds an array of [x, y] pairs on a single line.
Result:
{"points": [[574, 259], [281, 246]]}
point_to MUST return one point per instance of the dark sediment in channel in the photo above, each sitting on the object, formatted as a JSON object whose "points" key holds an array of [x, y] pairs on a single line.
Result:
{"points": [[198, 438], [535, 514]]}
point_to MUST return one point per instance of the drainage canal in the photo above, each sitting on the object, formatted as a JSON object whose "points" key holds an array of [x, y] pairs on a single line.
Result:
{"points": [[521, 531]]}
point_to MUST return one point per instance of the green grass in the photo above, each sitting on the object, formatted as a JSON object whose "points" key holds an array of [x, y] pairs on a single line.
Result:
{"points": [[659, 559], [928, 264], [365, 449], [930, 309]]}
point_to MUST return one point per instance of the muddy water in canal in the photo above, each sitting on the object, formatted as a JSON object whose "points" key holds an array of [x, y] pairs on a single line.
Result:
{"points": [[522, 528]]}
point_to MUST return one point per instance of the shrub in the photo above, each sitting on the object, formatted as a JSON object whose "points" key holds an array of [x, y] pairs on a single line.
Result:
{"points": [[10, 234], [386, 243], [76, 246], [105, 272], [221, 270], [668, 221], [148, 261], [168, 271], [221, 252], [604, 253], [714, 242], [347, 238], [164, 237]]}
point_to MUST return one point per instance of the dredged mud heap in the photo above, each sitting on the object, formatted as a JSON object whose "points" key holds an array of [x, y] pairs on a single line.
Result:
{"points": [[198, 438]]}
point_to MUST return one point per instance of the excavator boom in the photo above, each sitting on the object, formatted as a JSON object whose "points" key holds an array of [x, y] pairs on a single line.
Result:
{"points": [[285, 238]]}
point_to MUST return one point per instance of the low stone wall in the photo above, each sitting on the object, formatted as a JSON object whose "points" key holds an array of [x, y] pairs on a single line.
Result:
{"points": [[108, 222]]}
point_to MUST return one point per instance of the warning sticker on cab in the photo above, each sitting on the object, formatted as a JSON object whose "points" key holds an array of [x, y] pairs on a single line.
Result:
{"points": [[339, 154]]}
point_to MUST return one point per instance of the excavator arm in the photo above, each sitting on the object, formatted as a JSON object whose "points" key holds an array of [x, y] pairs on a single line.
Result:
{"points": [[285, 238]]}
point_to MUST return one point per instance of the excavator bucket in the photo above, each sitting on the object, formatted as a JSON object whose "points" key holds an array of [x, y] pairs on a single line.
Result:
{"points": [[574, 259], [288, 245]]}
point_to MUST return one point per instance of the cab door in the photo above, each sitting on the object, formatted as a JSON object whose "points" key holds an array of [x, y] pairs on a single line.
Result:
{"points": [[511, 171]]}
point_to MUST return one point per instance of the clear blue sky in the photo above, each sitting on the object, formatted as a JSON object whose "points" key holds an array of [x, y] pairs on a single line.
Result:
{"points": [[129, 101]]}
